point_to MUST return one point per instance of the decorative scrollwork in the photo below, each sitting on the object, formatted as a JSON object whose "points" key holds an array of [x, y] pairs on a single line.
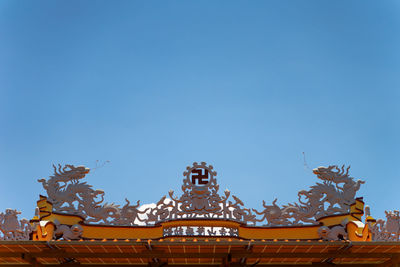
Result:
{"points": [[200, 199], [64, 187]]}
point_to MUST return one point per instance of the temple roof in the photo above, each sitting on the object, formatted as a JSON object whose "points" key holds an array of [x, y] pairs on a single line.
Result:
{"points": [[183, 251], [72, 225]]}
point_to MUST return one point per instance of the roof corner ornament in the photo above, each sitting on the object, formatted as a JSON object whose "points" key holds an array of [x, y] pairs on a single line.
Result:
{"points": [[388, 230], [13, 229]]}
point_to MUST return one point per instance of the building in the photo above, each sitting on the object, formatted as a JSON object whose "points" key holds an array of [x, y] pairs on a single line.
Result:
{"points": [[202, 227]]}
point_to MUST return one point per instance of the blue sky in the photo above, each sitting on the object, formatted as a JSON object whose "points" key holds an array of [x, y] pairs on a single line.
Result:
{"points": [[247, 86]]}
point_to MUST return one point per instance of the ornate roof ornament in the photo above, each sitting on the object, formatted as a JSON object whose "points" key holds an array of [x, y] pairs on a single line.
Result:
{"points": [[334, 195], [64, 187], [382, 230], [74, 210], [13, 229], [200, 199]]}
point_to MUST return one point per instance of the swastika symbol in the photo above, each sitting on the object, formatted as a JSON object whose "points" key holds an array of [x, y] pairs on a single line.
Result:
{"points": [[198, 175]]}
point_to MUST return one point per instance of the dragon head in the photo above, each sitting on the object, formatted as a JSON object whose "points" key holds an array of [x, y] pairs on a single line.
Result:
{"points": [[69, 172], [331, 173]]}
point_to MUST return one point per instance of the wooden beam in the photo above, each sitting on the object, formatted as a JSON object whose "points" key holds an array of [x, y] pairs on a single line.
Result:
{"points": [[393, 262], [210, 265], [236, 255], [29, 259]]}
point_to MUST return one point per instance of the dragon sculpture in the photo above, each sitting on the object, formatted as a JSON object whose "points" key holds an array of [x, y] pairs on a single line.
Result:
{"points": [[89, 207], [337, 189], [63, 187], [69, 194]]}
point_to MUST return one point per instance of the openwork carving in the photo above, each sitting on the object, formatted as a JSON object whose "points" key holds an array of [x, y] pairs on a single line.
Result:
{"points": [[388, 230], [200, 199], [68, 194], [129, 214], [333, 196], [13, 229], [64, 187]]}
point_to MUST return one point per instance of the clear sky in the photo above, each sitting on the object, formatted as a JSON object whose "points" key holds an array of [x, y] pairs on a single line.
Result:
{"points": [[247, 86]]}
